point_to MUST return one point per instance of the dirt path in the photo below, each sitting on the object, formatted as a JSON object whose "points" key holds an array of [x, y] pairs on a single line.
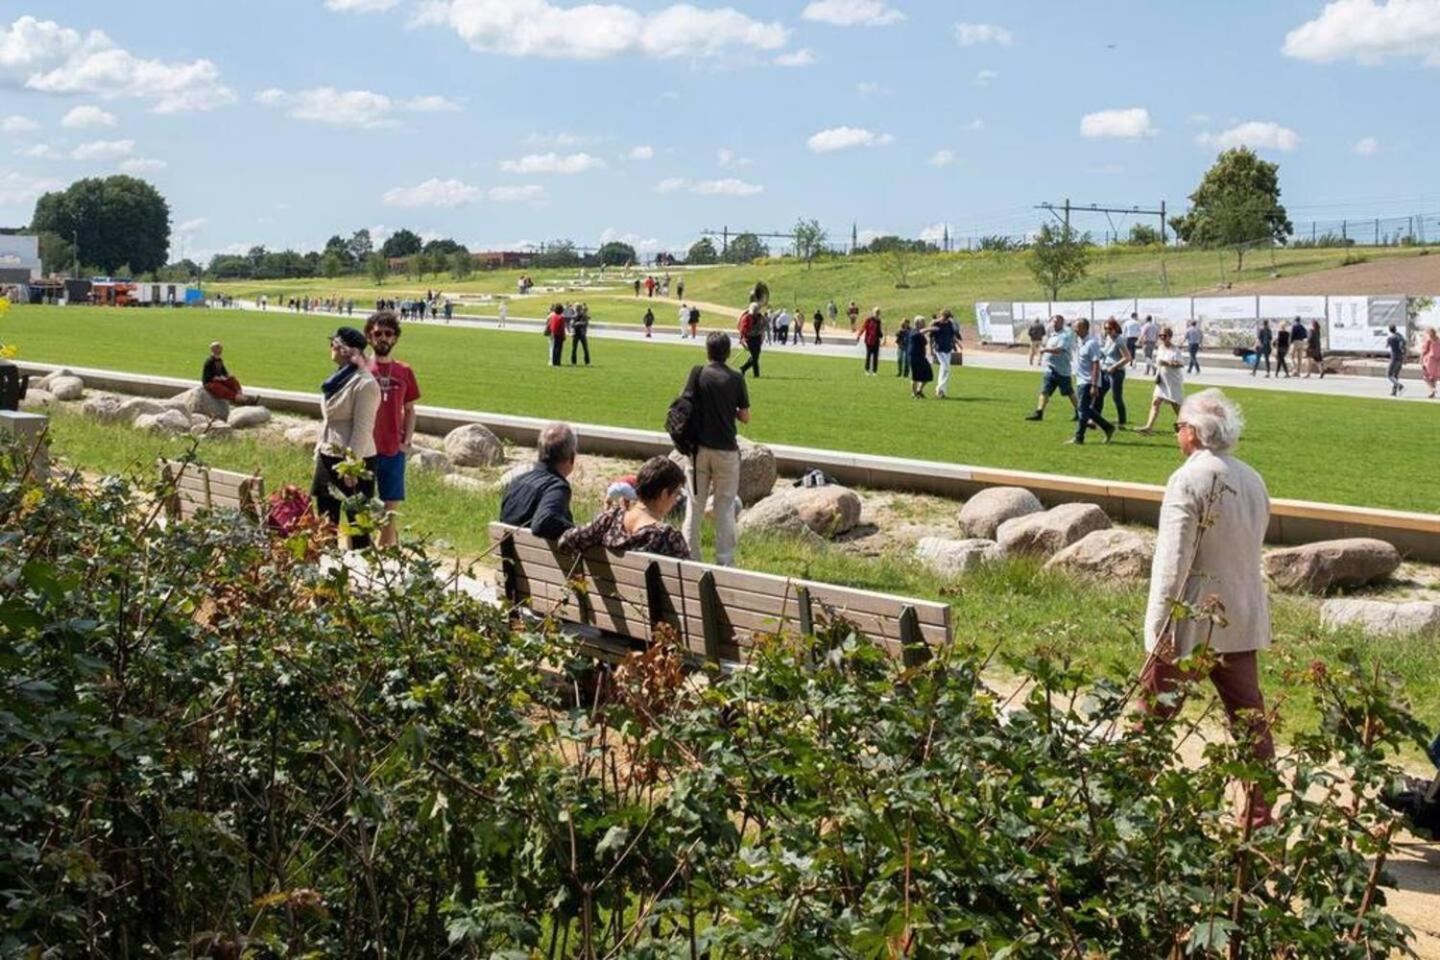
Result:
{"points": [[1394, 275]]}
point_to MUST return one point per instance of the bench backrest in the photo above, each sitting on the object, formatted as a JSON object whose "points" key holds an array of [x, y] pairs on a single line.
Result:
{"points": [[194, 487], [715, 611]]}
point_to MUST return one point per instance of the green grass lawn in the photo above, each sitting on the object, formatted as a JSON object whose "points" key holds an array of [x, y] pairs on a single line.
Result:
{"points": [[954, 280], [1014, 606], [1332, 449]]}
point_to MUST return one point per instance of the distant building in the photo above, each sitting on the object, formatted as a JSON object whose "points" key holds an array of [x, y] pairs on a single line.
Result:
{"points": [[497, 259], [19, 259]]}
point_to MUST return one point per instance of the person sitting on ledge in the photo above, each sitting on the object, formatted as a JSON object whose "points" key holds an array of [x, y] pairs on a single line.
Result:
{"points": [[540, 499], [641, 525], [217, 380]]}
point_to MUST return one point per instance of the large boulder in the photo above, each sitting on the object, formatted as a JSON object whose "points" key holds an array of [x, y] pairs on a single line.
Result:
{"points": [[38, 400], [174, 422], [1046, 534], [473, 445], [247, 418], [422, 458], [1111, 554], [65, 388], [137, 407], [200, 400], [951, 558], [104, 407], [757, 471], [303, 435], [44, 382], [211, 429], [983, 513], [1316, 567], [824, 511], [1382, 616]]}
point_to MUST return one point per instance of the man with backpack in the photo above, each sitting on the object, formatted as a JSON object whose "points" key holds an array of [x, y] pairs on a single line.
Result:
{"points": [[752, 333], [873, 334], [702, 424]]}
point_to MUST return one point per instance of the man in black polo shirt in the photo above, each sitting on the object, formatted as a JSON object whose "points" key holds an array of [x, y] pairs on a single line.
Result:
{"points": [[720, 398], [944, 335], [540, 499]]}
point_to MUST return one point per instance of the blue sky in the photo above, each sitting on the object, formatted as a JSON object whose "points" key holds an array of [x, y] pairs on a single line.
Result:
{"points": [[497, 122]]}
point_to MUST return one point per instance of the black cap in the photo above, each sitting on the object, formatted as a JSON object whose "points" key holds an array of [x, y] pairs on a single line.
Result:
{"points": [[350, 337]]}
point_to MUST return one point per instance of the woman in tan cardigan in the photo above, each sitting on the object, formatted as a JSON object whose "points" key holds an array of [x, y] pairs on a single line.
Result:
{"points": [[350, 399]]}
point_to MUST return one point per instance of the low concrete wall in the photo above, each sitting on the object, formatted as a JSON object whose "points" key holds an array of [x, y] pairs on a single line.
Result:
{"points": [[1416, 535]]}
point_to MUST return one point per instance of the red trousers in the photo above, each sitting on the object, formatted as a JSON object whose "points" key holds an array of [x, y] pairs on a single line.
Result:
{"points": [[226, 388]]}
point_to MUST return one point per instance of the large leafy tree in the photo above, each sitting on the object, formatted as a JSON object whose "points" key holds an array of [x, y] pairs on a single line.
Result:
{"points": [[1058, 257], [744, 248], [401, 243], [702, 252], [1237, 203], [809, 239], [117, 220], [360, 246], [616, 254]]}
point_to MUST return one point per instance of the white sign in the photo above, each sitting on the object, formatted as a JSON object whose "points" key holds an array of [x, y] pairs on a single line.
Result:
{"points": [[1349, 325], [1103, 310], [1029, 310], [1288, 308], [1208, 309], [1072, 310], [1175, 311]]}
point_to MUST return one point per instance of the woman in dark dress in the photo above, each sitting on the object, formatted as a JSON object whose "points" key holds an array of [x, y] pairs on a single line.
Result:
{"points": [[640, 526], [921, 372], [1314, 354]]}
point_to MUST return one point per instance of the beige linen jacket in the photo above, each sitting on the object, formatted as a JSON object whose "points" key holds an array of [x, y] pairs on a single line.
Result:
{"points": [[1225, 564], [349, 417]]}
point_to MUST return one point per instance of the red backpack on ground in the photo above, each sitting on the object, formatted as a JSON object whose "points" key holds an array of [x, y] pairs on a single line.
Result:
{"points": [[287, 507]]}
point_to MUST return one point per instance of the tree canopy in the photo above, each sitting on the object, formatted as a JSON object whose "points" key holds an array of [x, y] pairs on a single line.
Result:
{"points": [[1058, 257], [117, 220], [744, 248], [809, 239], [616, 254], [1237, 201], [401, 243], [702, 252]]}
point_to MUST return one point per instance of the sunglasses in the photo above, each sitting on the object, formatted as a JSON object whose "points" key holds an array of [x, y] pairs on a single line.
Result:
{"points": [[381, 334]]}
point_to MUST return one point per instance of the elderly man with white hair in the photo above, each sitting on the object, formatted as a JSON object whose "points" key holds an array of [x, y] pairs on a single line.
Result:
{"points": [[1206, 589]]}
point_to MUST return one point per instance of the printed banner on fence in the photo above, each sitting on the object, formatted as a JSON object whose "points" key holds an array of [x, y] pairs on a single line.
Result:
{"points": [[1349, 326], [1288, 308], [1174, 311], [1227, 321]]}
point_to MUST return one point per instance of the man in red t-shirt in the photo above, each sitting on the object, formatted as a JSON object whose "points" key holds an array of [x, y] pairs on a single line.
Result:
{"points": [[873, 334], [752, 334], [555, 330], [395, 420]]}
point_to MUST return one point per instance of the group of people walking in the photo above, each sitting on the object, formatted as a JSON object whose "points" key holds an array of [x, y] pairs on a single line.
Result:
{"points": [[926, 349], [1291, 344]]}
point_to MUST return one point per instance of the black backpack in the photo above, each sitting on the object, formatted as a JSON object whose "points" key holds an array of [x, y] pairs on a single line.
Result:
{"points": [[680, 419]]}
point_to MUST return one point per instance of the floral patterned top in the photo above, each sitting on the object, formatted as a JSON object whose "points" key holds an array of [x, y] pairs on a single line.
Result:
{"points": [[608, 530]]}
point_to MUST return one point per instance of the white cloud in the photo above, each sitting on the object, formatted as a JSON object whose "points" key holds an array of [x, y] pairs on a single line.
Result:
{"points": [[552, 163], [19, 190], [852, 13], [670, 185], [844, 138], [1367, 146], [190, 226], [970, 34], [432, 193], [17, 124], [529, 193], [89, 116], [725, 158], [360, 6], [1369, 32], [985, 77], [942, 158], [797, 58], [641, 244], [598, 31], [561, 139], [975, 126], [142, 165], [1128, 123], [1256, 134], [727, 187], [39, 151], [349, 108], [868, 88], [45, 56], [103, 150], [936, 232], [642, 152]]}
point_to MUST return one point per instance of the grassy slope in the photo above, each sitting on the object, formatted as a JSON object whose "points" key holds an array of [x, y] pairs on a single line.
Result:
{"points": [[954, 280], [1014, 606], [1308, 447]]}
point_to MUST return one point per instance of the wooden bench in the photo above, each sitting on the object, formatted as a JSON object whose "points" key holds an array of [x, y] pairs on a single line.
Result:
{"points": [[715, 612], [192, 488]]}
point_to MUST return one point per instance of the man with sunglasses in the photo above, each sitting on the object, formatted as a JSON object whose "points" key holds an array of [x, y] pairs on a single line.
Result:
{"points": [[395, 421]]}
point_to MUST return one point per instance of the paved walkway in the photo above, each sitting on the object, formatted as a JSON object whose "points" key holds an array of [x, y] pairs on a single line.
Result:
{"points": [[1013, 360]]}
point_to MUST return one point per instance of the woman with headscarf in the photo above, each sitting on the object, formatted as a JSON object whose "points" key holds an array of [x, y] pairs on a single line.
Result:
{"points": [[350, 400]]}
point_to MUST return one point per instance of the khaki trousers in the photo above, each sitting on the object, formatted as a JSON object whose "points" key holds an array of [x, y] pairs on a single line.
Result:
{"points": [[713, 473]]}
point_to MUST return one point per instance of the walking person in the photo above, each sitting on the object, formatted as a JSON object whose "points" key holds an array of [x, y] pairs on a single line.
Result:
{"points": [[831, 312], [580, 328], [1036, 332], [1211, 531], [873, 334], [394, 421], [1192, 345], [1169, 382], [683, 316], [853, 312], [1282, 352], [649, 321], [818, 321], [555, 330], [694, 321], [902, 348], [1430, 360], [752, 334], [720, 399], [918, 347], [349, 403], [1055, 366], [1298, 336], [944, 338], [1395, 344], [1116, 355], [1314, 354], [1264, 342], [1089, 377], [502, 312], [680, 289], [1131, 333], [1149, 339]]}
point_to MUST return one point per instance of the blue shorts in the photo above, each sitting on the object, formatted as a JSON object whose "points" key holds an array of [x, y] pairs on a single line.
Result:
{"points": [[1056, 381], [390, 477]]}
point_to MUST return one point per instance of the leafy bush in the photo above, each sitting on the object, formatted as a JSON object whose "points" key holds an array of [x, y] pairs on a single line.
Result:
{"points": [[216, 743]]}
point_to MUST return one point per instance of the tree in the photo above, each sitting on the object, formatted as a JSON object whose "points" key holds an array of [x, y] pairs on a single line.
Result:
{"points": [[56, 253], [461, 264], [401, 243], [1143, 235], [1058, 257], [702, 253], [331, 265], [378, 268], [896, 260], [745, 248], [615, 254], [360, 247], [1237, 203], [809, 240], [443, 247], [118, 219], [559, 253]]}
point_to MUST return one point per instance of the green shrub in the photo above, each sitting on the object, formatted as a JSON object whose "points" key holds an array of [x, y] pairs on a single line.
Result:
{"points": [[216, 743]]}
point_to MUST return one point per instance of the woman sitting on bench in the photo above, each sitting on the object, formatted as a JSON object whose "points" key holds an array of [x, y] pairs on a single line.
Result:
{"points": [[640, 526]]}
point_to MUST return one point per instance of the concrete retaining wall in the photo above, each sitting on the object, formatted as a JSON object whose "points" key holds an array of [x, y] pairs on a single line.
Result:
{"points": [[1416, 535]]}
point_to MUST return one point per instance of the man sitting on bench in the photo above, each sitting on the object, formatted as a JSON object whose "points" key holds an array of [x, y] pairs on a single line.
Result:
{"points": [[218, 382], [540, 499]]}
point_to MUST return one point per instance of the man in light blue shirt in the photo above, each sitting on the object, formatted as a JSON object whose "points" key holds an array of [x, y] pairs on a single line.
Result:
{"points": [[1055, 366], [1088, 377]]}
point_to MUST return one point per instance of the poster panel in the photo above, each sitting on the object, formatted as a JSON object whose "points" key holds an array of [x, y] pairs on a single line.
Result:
{"points": [[1385, 311], [1028, 310], [1174, 311], [995, 322], [1288, 308], [1348, 327], [1102, 310], [982, 320], [1072, 310], [1227, 321]]}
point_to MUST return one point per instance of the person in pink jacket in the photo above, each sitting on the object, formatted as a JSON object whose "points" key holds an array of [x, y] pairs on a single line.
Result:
{"points": [[1430, 359]]}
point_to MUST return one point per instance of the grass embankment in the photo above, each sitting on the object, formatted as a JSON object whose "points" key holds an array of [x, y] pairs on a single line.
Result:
{"points": [[1307, 447], [1014, 606], [955, 280]]}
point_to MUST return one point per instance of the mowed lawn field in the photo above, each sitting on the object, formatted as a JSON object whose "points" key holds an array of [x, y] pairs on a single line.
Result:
{"points": [[1334, 449]]}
